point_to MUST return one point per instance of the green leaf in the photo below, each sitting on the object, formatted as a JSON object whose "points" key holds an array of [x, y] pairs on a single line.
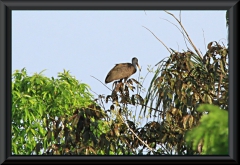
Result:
{"points": [[93, 138], [41, 131], [86, 136], [26, 115], [40, 110], [38, 100], [33, 132], [33, 117], [210, 129], [66, 106]]}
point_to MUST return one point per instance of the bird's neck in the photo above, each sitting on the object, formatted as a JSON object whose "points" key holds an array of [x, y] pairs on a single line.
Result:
{"points": [[135, 65]]}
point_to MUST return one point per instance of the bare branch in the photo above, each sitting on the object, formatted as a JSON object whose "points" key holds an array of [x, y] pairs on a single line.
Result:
{"points": [[178, 46], [94, 92], [165, 149], [158, 39], [149, 107], [100, 98], [222, 42], [184, 37], [101, 82], [185, 33], [136, 134], [204, 41]]}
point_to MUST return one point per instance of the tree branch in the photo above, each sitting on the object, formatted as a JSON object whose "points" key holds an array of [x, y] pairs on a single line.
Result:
{"points": [[199, 54], [136, 134], [158, 39], [184, 37], [101, 82]]}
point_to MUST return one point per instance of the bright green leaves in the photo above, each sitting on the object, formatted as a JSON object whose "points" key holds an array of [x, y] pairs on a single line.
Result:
{"points": [[58, 116], [212, 133], [54, 116], [36, 99]]}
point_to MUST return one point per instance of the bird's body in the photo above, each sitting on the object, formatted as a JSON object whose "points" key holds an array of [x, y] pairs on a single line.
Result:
{"points": [[122, 71]]}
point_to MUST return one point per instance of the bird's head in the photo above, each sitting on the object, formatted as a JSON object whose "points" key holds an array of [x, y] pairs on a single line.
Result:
{"points": [[135, 62]]}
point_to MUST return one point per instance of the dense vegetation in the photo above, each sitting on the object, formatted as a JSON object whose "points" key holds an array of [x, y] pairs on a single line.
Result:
{"points": [[188, 98]]}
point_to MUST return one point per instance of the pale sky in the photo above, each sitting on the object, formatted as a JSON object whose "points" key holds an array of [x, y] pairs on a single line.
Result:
{"points": [[92, 42]]}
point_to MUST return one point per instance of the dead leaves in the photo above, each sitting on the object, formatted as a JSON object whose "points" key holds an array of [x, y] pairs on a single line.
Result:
{"points": [[121, 91], [188, 121]]}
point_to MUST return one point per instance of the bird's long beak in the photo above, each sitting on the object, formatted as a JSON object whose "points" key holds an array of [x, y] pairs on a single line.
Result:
{"points": [[138, 67]]}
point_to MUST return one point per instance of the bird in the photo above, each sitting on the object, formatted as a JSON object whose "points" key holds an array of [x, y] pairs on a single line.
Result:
{"points": [[122, 71]]}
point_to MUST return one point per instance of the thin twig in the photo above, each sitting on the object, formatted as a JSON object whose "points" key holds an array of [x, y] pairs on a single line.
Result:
{"points": [[204, 41], [158, 39], [161, 61], [138, 81], [138, 92], [101, 82], [178, 46], [184, 37], [180, 18], [102, 102], [136, 134], [150, 108], [223, 45], [99, 98], [165, 149], [186, 34], [222, 42], [146, 76], [132, 149], [94, 92]]}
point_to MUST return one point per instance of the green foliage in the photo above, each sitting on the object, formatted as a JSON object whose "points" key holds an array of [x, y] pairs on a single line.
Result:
{"points": [[211, 135], [40, 106], [58, 116], [61, 117]]}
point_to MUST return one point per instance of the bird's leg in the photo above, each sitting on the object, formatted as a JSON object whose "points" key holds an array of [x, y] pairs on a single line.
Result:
{"points": [[117, 82], [125, 79], [120, 81]]}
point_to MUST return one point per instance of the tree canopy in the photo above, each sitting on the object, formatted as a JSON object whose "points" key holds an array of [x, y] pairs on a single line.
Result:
{"points": [[187, 100]]}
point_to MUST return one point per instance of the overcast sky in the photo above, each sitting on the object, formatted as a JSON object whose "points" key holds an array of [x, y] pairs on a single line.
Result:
{"points": [[90, 43]]}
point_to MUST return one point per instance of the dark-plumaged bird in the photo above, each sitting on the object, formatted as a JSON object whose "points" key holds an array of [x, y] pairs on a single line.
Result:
{"points": [[122, 71]]}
